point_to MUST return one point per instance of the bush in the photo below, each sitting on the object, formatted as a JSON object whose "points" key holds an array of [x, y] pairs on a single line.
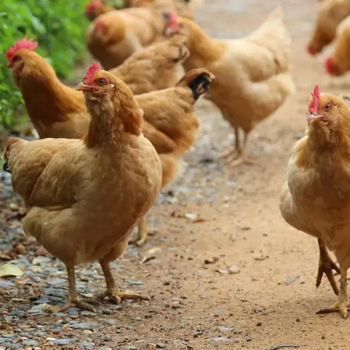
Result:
{"points": [[58, 26]]}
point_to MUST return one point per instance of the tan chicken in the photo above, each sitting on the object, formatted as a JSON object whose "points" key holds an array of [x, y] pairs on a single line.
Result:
{"points": [[253, 74], [330, 13], [115, 36], [171, 126], [96, 8], [316, 197], [339, 63], [84, 197], [156, 67]]}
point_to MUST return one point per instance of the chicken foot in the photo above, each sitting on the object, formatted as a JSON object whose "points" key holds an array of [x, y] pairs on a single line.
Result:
{"points": [[342, 305], [73, 297], [238, 155], [142, 233], [113, 292], [326, 266]]}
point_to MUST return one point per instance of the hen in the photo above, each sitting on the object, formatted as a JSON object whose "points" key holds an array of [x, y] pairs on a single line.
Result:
{"points": [[156, 67], [330, 14], [96, 8], [339, 63], [84, 197], [315, 198], [116, 35], [253, 74]]}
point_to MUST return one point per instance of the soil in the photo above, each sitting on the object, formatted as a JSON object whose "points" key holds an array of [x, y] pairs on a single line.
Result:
{"points": [[213, 218]]}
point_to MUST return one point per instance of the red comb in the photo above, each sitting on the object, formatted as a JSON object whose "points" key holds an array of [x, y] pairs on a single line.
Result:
{"points": [[329, 65], [19, 45], [89, 75], [92, 5], [173, 17], [313, 106]]}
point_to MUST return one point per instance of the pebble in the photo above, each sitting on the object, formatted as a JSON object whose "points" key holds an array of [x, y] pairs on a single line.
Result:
{"points": [[160, 346], [82, 325], [62, 341], [225, 329], [40, 309], [234, 269], [87, 345], [222, 340], [6, 284], [30, 343]]}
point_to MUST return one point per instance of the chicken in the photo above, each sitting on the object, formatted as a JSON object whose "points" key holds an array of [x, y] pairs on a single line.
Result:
{"points": [[171, 125], [315, 198], [156, 67], [339, 63], [330, 13], [253, 74], [115, 36], [169, 121], [96, 8], [57, 110], [84, 197]]}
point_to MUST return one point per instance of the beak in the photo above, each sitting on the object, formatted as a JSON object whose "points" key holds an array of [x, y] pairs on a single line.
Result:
{"points": [[83, 87]]}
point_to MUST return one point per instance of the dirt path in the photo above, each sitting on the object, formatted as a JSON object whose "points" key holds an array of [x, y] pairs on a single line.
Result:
{"points": [[194, 306]]}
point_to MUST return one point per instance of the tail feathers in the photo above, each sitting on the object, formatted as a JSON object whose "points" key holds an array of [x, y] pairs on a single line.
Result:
{"points": [[198, 80]]}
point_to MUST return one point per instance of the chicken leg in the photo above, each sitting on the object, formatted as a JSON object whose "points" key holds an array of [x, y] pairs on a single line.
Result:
{"points": [[238, 155], [142, 233], [73, 297], [342, 304], [326, 266], [113, 292]]}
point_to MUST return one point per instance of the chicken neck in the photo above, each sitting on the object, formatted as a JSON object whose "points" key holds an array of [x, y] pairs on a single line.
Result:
{"points": [[326, 266], [113, 292]]}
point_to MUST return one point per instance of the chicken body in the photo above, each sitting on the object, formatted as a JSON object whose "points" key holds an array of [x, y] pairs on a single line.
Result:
{"points": [[339, 63], [115, 36], [84, 197], [253, 74], [330, 13], [316, 197], [156, 67]]}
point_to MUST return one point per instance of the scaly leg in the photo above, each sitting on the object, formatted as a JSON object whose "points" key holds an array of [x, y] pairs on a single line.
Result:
{"points": [[342, 304], [113, 291], [242, 157], [326, 266], [142, 233], [237, 149], [73, 297]]}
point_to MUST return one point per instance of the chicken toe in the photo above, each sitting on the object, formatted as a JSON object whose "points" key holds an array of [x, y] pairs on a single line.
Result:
{"points": [[113, 292], [326, 266], [342, 305], [242, 159], [142, 233]]}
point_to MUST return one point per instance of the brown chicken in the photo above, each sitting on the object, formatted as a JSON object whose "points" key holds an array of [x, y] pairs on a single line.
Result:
{"points": [[84, 197], [330, 14], [115, 36], [253, 74], [57, 110], [156, 67], [316, 197], [168, 114], [171, 126], [96, 8], [339, 63], [184, 8]]}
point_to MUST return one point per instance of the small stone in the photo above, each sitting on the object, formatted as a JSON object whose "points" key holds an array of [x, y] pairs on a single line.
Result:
{"points": [[87, 345], [112, 322], [225, 329], [222, 340], [234, 269], [291, 280], [88, 313], [211, 260], [13, 207], [257, 310], [20, 249], [40, 309], [160, 346], [30, 343], [82, 325], [62, 341]]}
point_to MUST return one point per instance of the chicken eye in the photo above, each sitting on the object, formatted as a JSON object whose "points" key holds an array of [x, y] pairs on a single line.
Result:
{"points": [[16, 58], [327, 107], [102, 81]]}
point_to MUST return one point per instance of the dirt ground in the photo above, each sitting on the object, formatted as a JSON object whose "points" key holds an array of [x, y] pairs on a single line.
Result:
{"points": [[271, 299]]}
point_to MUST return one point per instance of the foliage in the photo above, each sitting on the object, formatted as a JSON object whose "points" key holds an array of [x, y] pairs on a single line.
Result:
{"points": [[58, 26]]}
